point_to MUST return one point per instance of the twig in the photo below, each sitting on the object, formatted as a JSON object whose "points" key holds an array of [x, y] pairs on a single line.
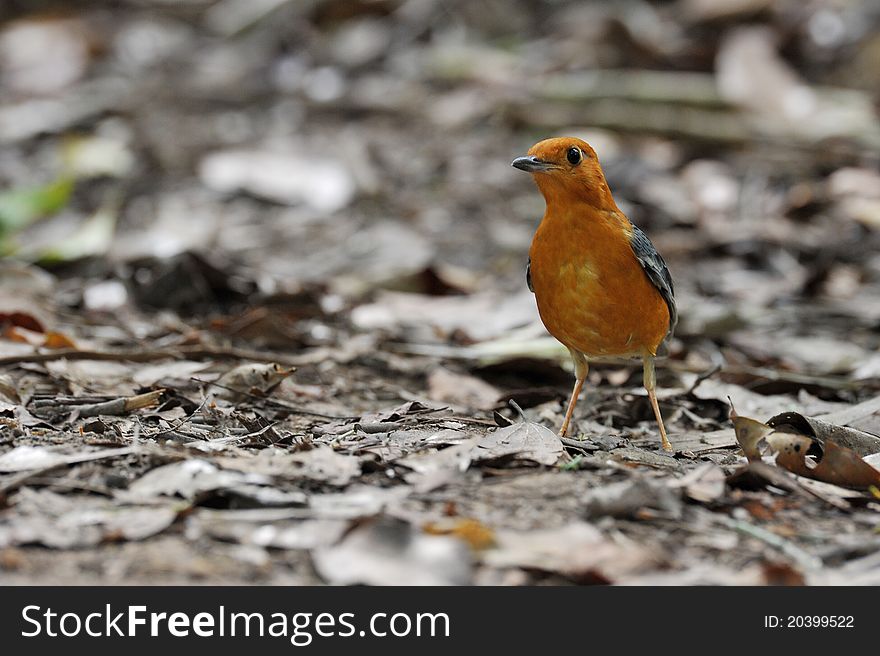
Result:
{"points": [[576, 444], [120, 406], [711, 371], [379, 427], [236, 438], [270, 401], [180, 422]]}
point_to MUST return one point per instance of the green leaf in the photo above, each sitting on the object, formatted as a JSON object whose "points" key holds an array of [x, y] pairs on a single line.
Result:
{"points": [[21, 207]]}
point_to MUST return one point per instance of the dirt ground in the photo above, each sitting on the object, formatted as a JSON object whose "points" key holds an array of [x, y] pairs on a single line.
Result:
{"points": [[264, 309]]}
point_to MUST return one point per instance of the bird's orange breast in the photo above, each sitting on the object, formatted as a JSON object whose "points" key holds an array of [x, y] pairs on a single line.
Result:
{"points": [[592, 293]]}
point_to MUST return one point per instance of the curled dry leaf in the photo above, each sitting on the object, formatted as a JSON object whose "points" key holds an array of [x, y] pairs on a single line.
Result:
{"points": [[828, 453], [833, 464], [251, 379], [749, 433], [860, 442]]}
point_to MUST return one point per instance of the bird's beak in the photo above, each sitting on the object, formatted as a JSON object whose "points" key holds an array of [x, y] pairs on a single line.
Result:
{"points": [[531, 164]]}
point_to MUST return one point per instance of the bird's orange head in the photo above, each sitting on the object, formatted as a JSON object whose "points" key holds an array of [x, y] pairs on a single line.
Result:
{"points": [[567, 170]]}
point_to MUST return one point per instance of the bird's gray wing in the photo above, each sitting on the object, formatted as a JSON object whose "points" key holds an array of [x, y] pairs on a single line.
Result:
{"points": [[658, 273], [529, 275]]}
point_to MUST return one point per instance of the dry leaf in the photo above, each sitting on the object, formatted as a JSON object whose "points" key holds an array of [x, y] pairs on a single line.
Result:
{"points": [[325, 465], [577, 550], [833, 464], [824, 454], [190, 478], [849, 438], [629, 498], [55, 340], [26, 457], [289, 178], [461, 389], [63, 522], [474, 533], [525, 440], [251, 379], [749, 433], [390, 551], [705, 484], [8, 390]]}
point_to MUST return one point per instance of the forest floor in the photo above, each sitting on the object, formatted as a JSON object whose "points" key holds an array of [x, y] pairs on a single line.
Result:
{"points": [[265, 317]]}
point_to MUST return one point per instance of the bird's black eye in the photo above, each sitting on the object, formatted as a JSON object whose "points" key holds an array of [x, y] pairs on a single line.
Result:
{"points": [[573, 155]]}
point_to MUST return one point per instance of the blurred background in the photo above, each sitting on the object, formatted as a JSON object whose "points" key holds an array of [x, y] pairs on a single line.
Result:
{"points": [[298, 174]]}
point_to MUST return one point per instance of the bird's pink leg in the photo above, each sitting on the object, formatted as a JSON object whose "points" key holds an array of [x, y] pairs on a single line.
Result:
{"points": [[650, 382], [580, 370]]}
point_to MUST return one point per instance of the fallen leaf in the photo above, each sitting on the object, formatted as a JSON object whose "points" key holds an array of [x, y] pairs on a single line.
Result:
{"points": [[20, 319], [282, 177], [456, 457], [525, 440], [321, 464], [26, 457], [577, 550], [752, 74], [357, 501], [460, 389], [55, 340], [860, 442], [832, 464], [749, 433], [306, 534], [63, 522], [190, 478], [390, 551], [629, 498], [93, 236], [43, 55], [478, 316], [826, 452], [705, 484], [8, 390], [475, 534], [251, 379]]}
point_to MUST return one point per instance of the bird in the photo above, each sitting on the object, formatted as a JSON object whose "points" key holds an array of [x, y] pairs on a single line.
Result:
{"points": [[601, 287]]}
